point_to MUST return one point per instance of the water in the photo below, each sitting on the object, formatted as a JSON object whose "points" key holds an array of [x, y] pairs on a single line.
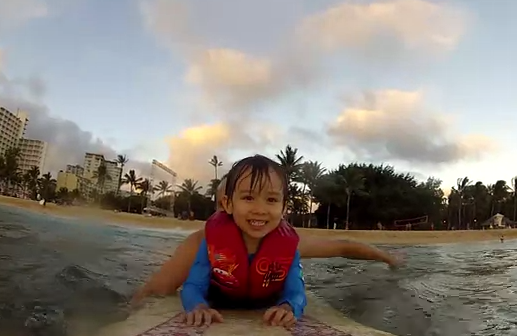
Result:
{"points": [[60, 275]]}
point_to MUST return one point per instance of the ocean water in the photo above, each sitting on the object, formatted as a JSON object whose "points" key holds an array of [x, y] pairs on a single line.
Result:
{"points": [[60, 275]]}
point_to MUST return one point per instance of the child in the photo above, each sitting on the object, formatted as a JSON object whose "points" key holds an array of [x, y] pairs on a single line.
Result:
{"points": [[249, 258]]}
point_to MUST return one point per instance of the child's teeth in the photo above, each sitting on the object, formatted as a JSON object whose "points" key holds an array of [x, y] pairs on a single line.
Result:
{"points": [[257, 223]]}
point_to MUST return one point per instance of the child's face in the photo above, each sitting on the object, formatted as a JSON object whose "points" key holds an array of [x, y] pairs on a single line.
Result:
{"points": [[257, 212]]}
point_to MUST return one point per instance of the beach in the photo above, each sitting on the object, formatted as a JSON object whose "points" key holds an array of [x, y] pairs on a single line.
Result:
{"points": [[366, 236]]}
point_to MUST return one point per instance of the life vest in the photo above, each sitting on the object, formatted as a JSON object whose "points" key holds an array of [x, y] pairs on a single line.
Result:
{"points": [[232, 273]]}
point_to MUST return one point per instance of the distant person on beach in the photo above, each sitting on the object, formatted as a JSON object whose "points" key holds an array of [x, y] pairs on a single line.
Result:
{"points": [[249, 257], [174, 271]]}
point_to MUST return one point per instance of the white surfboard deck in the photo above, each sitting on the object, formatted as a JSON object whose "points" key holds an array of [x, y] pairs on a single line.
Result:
{"points": [[156, 318]]}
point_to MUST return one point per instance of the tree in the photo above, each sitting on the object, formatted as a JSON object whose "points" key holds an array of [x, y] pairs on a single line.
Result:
{"points": [[47, 186], [311, 172], [461, 184], [101, 175], [131, 179], [189, 187], [291, 162], [211, 190], [10, 173], [216, 164], [163, 188], [145, 188], [121, 160], [514, 187], [30, 179], [352, 180]]}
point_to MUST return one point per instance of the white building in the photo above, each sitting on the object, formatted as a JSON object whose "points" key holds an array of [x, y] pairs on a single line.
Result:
{"points": [[114, 171], [32, 153], [91, 165], [12, 128], [75, 169]]}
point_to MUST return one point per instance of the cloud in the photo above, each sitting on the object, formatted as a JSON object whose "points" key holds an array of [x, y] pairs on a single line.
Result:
{"points": [[14, 13], [191, 150], [232, 80], [67, 141], [415, 24], [235, 86], [395, 125]]}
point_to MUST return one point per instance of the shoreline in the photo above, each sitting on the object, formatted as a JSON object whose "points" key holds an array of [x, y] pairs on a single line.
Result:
{"points": [[372, 237]]}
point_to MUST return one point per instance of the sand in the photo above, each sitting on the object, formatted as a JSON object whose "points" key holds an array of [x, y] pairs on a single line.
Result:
{"points": [[374, 237]]}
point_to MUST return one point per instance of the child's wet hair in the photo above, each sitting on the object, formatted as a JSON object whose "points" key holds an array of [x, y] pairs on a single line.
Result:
{"points": [[259, 168]]}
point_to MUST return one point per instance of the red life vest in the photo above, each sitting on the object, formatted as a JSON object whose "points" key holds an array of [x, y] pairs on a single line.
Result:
{"points": [[233, 274]]}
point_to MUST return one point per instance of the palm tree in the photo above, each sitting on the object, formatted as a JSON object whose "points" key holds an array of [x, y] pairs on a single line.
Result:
{"points": [[501, 193], [101, 174], [31, 180], [211, 190], [163, 188], [514, 187], [189, 187], [10, 172], [47, 185], [461, 185], [311, 172], [131, 179], [353, 182], [216, 164], [144, 187], [291, 162], [121, 160]]}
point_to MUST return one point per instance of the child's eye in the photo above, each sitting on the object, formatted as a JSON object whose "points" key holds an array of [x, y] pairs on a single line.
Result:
{"points": [[272, 200], [248, 198]]}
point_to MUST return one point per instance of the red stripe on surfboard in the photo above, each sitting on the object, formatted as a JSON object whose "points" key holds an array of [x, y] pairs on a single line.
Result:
{"points": [[308, 326], [174, 327]]}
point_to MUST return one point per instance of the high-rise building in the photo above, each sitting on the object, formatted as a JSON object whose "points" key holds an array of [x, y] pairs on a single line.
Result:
{"points": [[91, 165], [75, 169], [12, 128], [32, 153], [114, 171]]}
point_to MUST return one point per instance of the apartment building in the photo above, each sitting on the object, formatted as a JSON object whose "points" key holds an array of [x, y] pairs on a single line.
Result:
{"points": [[91, 165], [33, 153], [12, 128], [114, 171], [75, 169], [72, 181]]}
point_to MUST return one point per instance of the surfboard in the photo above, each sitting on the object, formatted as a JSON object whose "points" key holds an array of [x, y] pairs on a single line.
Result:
{"points": [[160, 317]]}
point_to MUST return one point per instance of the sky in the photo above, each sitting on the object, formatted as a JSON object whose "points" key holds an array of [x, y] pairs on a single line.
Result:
{"points": [[426, 86]]}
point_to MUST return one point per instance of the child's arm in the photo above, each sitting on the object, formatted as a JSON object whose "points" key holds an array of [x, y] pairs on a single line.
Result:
{"points": [[294, 288], [195, 288], [315, 247]]}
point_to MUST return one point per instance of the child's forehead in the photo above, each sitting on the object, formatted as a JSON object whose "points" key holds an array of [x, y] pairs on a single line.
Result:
{"points": [[271, 181]]}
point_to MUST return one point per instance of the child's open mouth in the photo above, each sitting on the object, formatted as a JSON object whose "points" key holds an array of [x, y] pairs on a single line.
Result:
{"points": [[257, 223]]}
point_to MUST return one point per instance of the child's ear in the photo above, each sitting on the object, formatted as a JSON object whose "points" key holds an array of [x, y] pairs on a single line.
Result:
{"points": [[227, 205]]}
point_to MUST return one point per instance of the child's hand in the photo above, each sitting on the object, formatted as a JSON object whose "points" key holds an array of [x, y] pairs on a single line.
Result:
{"points": [[281, 315], [202, 315], [395, 260]]}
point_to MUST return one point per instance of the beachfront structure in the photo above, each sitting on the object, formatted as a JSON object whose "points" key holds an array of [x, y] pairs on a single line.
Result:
{"points": [[75, 169], [92, 162], [73, 181], [67, 180], [160, 172], [114, 171], [12, 128], [32, 154]]}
